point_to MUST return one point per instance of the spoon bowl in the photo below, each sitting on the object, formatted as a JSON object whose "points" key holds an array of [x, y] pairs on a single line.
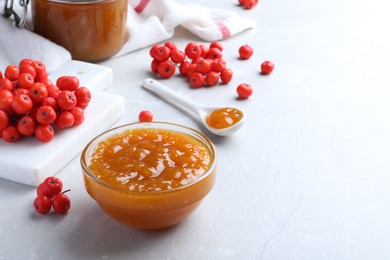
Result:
{"points": [[233, 119]]}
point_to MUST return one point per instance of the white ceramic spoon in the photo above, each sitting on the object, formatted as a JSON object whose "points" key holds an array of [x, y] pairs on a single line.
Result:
{"points": [[199, 110]]}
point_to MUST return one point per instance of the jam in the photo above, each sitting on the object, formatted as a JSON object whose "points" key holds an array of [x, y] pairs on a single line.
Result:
{"points": [[224, 117], [90, 30], [149, 175], [148, 160]]}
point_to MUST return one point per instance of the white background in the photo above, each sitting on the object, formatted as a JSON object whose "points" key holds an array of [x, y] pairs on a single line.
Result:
{"points": [[308, 177]]}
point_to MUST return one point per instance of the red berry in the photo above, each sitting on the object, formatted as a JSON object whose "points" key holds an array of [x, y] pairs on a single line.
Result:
{"points": [[50, 101], [19, 91], [153, 50], [193, 50], [38, 92], [202, 65], [53, 91], [27, 68], [245, 52], [162, 53], [40, 190], [83, 96], [6, 84], [171, 45], [177, 56], [61, 203], [44, 133], [64, 119], [184, 68], [68, 83], [25, 80], [145, 116], [51, 186], [267, 67], [78, 114], [217, 45], [214, 54], [11, 134], [11, 72], [22, 104], [204, 49], [66, 100], [244, 90], [166, 69], [226, 76], [218, 65], [154, 65], [249, 4], [39, 67], [42, 204], [46, 115], [212, 78], [4, 119], [26, 125], [196, 79], [25, 62], [6, 98]]}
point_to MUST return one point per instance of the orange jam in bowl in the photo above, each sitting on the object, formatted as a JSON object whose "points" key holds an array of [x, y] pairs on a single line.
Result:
{"points": [[149, 175], [91, 30]]}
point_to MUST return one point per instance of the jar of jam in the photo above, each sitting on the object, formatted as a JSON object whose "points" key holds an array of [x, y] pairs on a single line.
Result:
{"points": [[91, 30]]}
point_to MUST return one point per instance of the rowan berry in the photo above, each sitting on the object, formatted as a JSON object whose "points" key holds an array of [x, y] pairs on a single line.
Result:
{"points": [[64, 119], [226, 76], [212, 78], [145, 116], [61, 203], [193, 50], [245, 52], [244, 90], [42, 204], [267, 67], [44, 133], [196, 79], [26, 125], [166, 69]]}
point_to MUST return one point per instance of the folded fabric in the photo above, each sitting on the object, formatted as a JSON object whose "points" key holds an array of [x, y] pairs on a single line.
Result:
{"points": [[152, 21], [17, 44], [148, 22]]}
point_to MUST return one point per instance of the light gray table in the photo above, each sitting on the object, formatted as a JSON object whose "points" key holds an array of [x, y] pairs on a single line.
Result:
{"points": [[308, 177]]}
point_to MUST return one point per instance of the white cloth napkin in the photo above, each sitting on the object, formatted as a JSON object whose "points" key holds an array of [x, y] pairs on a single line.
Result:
{"points": [[149, 22]]}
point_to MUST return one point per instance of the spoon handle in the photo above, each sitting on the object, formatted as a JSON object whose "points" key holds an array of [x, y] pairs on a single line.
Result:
{"points": [[171, 96]]}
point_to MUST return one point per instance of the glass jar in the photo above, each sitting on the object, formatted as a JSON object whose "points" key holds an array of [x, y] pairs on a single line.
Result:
{"points": [[91, 30]]}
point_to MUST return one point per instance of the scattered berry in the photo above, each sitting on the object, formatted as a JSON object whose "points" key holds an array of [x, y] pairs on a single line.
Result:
{"points": [[145, 116], [245, 52], [267, 67], [249, 4], [244, 90]]}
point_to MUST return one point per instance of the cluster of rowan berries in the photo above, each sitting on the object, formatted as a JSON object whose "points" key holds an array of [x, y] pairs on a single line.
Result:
{"points": [[201, 64], [32, 105], [50, 195]]}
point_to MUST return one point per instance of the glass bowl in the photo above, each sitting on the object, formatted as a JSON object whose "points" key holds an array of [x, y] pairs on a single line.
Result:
{"points": [[149, 209]]}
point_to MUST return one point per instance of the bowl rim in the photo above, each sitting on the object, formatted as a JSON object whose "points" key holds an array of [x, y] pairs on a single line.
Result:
{"points": [[155, 125]]}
